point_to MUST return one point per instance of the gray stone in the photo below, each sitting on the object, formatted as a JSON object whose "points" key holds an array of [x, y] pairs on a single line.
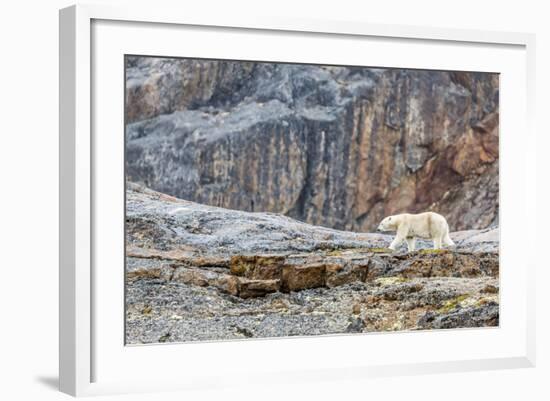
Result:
{"points": [[303, 140], [200, 273]]}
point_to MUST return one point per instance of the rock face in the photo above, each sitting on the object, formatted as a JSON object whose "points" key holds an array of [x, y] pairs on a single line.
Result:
{"points": [[197, 272], [339, 147]]}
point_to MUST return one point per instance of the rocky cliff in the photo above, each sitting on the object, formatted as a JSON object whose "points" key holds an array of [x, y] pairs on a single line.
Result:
{"points": [[197, 272], [334, 146]]}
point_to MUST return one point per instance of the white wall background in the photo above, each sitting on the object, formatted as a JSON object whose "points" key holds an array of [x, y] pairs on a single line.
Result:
{"points": [[29, 200]]}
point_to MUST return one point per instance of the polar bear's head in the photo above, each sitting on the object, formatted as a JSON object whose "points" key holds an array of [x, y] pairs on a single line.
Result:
{"points": [[388, 224]]}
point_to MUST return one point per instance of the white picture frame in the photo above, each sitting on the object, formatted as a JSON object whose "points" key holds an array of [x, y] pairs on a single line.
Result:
{"points": [[91, 360]]}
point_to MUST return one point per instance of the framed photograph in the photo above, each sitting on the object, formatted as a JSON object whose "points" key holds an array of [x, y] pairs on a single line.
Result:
{"points": [[338, 199]]}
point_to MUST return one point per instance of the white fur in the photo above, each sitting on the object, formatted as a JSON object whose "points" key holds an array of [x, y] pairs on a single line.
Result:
{"points": [[408, 227]]}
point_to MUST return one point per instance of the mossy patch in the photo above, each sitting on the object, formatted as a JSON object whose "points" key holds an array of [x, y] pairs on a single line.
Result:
{"points": [[432, 251], [239, 269], [335, 252], [240, 264], [380, 250], [453, 303], [356, 251]]}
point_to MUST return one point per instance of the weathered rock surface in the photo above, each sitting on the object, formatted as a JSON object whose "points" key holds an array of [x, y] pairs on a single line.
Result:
{"points": [[196, 272], [339, 147]]}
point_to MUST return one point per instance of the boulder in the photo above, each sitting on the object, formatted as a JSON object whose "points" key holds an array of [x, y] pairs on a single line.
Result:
{"points": [[257, 267], [257, 288], [296, 278], [340, 274]]}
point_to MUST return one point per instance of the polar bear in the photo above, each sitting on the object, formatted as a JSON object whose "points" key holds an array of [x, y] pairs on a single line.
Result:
{"points": [[423, 225]]}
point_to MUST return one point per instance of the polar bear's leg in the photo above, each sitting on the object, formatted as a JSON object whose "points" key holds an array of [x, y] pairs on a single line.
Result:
{"points": [[437, 242], [411, 243], [396, 242], [448, 241], [399, 237]]}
